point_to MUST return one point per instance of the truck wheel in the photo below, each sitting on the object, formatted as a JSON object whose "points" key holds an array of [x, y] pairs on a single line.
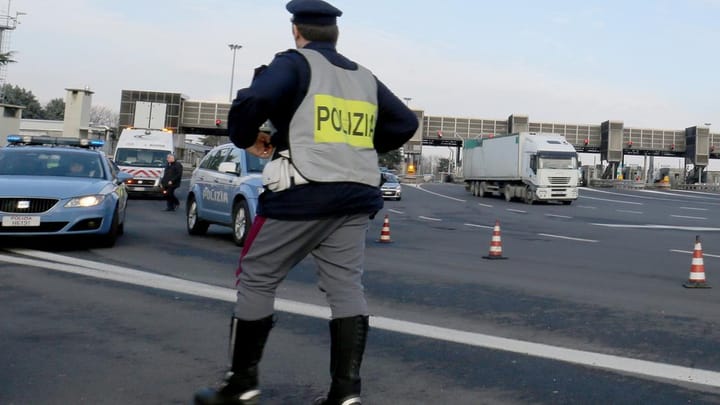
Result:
{"points": [[474, 188], [195, 225], [482, 189], [529, 196], [241, 222], [507, 191]]}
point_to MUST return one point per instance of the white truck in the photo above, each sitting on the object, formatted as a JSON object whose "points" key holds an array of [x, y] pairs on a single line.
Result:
{"points": [[142, 150], [528, 166]]}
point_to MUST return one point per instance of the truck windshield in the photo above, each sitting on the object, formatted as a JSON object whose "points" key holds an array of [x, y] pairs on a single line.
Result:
{"points": [[558, 162], [141, 157]]}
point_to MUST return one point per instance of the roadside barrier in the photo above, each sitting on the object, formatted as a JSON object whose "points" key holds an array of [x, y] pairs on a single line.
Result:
{"points": [[385, 232], [697, 268], [495, 244]]}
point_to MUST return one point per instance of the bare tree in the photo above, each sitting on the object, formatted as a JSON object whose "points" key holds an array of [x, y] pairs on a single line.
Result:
{"points": [[101, 115]]}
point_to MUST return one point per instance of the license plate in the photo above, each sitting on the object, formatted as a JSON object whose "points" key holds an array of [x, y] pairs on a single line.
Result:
{"points": [[21, 220], [137, 188]]}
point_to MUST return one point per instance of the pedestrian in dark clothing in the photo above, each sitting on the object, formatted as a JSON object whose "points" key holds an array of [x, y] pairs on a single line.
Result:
{"points": [[331, 118], [172, 176]]}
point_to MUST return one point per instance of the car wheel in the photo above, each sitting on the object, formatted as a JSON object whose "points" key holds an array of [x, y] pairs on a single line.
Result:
{"points": [[195, 225], [108, 240], [241, 222]]}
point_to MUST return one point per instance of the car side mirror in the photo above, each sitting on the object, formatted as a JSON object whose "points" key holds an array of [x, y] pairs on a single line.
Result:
{"points": [[228, 167]]}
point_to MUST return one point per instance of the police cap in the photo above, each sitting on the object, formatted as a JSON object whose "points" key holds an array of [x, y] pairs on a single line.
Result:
{"points": [[313, 12]]}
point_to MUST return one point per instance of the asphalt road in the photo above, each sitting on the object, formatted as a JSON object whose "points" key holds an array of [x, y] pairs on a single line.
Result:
{"points": [[602, 276]]}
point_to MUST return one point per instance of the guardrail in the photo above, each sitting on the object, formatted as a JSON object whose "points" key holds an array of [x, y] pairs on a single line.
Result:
{"points": [[699, 187]]}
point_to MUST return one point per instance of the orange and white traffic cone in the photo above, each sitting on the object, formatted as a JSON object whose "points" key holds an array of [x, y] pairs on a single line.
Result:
{"points": [[495, 244], [697, 268], [385, 232]]}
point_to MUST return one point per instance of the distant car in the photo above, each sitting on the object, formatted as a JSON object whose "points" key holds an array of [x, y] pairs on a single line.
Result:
{"points": [[60, 186], [224, 190], [391, 188]]}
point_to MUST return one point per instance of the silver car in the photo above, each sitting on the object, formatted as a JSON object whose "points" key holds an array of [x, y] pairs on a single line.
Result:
{"points": [[391, 188]]}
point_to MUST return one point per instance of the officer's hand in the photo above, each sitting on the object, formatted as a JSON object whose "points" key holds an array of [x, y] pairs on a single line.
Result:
{"points": [[262, 147]]}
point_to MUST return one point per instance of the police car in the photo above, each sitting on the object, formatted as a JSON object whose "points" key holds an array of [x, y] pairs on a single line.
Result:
{"points": [[224, 190], [60, 186]]}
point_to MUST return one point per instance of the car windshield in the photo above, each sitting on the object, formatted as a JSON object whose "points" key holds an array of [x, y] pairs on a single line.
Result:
{"points": [[141, 157], [57, 162], [390, 178]]}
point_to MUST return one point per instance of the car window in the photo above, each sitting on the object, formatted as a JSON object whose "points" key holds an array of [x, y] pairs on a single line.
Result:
{"points": [[390, 178], [21, 163], [213, 160], [51, 163], [254, 163]]}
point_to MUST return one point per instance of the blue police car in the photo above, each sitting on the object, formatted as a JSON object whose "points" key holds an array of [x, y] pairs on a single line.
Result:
{"points": [[60, 186], [224, 190]]}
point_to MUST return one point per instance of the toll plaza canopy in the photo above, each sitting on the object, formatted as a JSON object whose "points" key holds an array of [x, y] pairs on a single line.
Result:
{"points": [[609, 138]]}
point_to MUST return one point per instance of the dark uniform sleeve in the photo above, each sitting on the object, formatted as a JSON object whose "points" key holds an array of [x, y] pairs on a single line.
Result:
{"points": [[396, 123], [272, 91]]}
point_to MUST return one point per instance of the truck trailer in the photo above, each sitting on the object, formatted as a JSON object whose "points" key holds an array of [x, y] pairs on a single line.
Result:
{"points": [[528, 166]]}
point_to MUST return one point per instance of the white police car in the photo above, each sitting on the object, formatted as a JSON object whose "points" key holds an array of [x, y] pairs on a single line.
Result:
{"points": [[60, 186], [224, 190]]}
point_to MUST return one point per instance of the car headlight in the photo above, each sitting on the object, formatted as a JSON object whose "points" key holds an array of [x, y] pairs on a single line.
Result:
{"points": [[85, 201]]}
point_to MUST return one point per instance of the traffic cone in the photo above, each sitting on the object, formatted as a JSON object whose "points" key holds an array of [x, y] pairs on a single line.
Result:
{"points": [[495, 244], [385, 232], [697, 268]]}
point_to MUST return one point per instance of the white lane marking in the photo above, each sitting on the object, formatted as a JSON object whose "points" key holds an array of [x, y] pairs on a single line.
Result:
{"points": [[558, 216], [439, 195], [686, 217], [590, 359], [629, 211], [615, 201], [394, 211], [587, 207], [485, 205], [691, 252], [480, 226], [517, 211], [568, 238], [677, 228], [694, 209], [430, 219]]}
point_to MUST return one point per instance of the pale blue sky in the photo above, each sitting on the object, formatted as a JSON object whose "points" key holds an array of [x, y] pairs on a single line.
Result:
{"points": [[647, 63]]}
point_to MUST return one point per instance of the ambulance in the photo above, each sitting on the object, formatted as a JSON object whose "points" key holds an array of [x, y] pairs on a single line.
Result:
{"points": [[143, 148]]}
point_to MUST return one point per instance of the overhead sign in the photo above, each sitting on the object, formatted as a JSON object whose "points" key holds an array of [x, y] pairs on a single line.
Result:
{"points": [[442, 142]]}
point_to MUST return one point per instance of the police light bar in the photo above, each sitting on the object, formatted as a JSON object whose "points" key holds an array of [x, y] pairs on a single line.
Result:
{"points": [[53, 141]]}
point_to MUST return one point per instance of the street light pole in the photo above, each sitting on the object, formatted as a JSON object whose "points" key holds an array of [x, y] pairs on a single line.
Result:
{"points": [[407, 101], [233, 48]]}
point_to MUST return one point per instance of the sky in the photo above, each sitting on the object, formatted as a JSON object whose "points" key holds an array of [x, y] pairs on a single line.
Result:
{"points": [[647, 63]]}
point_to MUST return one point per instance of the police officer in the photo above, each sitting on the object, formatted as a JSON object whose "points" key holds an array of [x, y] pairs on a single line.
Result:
{"points": [[332, 117], [170, 181]]}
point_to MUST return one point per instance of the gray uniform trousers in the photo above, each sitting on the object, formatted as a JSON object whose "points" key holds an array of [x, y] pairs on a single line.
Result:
{"points": [[274, 247]]}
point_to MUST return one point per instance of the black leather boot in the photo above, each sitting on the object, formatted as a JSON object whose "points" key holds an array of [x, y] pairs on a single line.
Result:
{"points": [[347, 337], [247, 340]]}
